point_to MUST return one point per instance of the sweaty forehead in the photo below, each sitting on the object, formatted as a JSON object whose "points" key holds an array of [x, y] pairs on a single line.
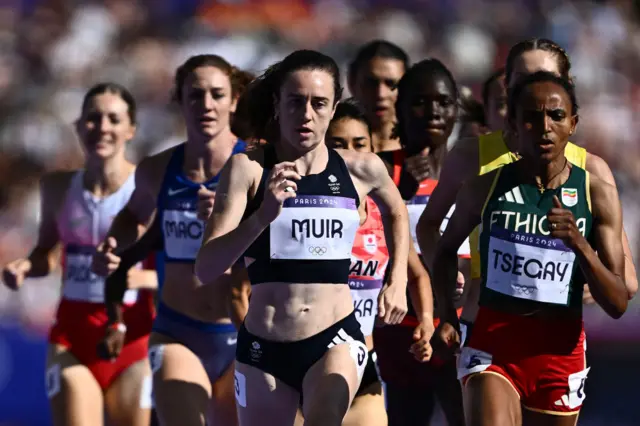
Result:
{"points": [[108, 102], [314, 83], [383, 68], [348, 128], [546, 94], [207, 78]]}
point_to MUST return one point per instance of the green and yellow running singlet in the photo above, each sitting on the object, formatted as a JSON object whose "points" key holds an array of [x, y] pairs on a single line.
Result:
{"points": [[521, 263], [493, 153]]}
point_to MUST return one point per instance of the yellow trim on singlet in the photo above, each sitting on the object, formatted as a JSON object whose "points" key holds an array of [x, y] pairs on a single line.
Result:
{"points": [[587, 184], [494, 153], [493, 188]]}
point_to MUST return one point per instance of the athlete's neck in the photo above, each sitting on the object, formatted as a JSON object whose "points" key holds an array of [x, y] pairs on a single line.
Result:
{"points": [[203, 159], [436, 159], [103, 177], [549, 175], [382, 138], [308, 163]]}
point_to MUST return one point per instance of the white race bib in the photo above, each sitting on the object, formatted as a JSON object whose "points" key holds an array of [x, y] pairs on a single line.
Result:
{"points": [[529, 266], [182, 234], [465, 249], [365, 302], [415, 208], [314, 227], [80, 283], [415, 211]]}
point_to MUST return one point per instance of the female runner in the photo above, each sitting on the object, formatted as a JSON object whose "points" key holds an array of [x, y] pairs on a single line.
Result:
{"points": [[192, 345], [373, 80], [77, 208], [349, 129], [547, 226], [291, 209], [427, 112], [488, 152]]}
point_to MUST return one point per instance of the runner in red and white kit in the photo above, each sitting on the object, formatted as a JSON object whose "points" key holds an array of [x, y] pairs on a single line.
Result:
{"points": [[77, 210], [350, 129], [426, 112]]}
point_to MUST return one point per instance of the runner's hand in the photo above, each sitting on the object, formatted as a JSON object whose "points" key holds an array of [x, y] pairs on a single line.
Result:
{"points": [[14, 273], [562, 225], [449, 336], [421, 348], [105, 262], [112, 343], [206, 198], [280, 186], [392, 303], [418, 166]]}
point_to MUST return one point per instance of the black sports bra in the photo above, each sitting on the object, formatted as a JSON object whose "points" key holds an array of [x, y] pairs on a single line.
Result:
{"points": [[312, 238]]}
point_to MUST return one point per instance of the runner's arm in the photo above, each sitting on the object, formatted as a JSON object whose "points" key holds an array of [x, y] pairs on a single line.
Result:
{"points": [[460, 164], [131, 222], [604, 267], [45, 256], [370, 169], [465, 218], [419, 286], [226, 238], [598, 167], [126, 277]]}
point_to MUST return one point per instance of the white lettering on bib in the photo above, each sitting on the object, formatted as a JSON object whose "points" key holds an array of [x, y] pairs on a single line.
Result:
{"points": [[529, 266], [80, 283], [365, 301], [314, 227], [182, 234]]}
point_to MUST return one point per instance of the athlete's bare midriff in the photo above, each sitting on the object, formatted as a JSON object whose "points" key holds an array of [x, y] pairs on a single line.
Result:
{"points": [[286, 312], [183, 292]]}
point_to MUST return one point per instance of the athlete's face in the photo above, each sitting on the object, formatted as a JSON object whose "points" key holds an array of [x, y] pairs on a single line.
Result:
{"points": [[348, 133], [429, 111], [105, 126], [496, 108], [544, 121], [376, 87], [533, 61], [207, 102], [305, 108]]}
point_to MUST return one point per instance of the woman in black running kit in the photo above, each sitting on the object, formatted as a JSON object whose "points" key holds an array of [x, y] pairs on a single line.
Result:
{"points": [[291, 209], [427, 111]]}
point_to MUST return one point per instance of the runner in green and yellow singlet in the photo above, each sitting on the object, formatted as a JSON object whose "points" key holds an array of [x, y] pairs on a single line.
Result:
{"points": [[542, 221], [477, 156]]}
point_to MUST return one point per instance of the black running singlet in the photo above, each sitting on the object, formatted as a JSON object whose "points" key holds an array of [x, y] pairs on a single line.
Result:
{"points": [[311, 240]]}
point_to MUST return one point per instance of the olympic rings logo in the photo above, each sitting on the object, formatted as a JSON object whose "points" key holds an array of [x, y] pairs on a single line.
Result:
{"points": [[526, 290], [319, 251]]}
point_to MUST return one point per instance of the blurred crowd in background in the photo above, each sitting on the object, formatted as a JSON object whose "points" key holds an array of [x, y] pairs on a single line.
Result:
{"points": [[51, 51]]}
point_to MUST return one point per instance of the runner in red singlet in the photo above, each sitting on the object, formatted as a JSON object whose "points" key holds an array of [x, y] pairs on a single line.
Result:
{"points": [[77, 210]]}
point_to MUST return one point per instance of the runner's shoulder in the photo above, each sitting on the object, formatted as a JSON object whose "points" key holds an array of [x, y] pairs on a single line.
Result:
{"points": [[462, 159]]}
